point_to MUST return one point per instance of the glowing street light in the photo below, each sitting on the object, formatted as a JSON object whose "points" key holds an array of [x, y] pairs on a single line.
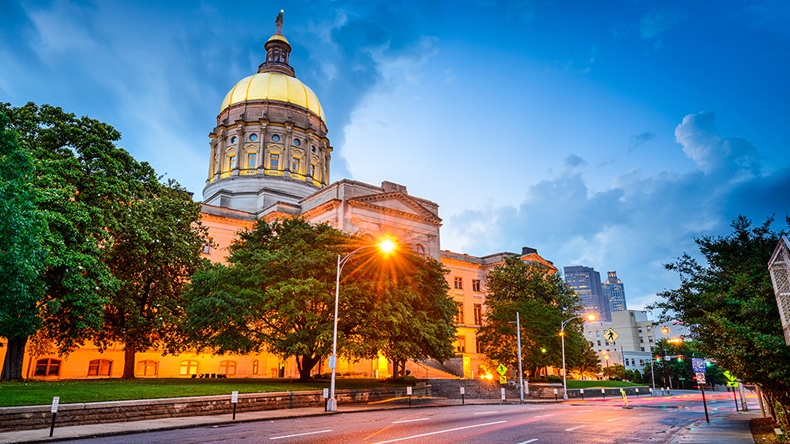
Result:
{"points": [[562, 335], [385, 246]]}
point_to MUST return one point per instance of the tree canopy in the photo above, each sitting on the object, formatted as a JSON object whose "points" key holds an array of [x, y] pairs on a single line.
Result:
{"points": [[277, 294], [729, 305], [84, 198], [543, 301]]}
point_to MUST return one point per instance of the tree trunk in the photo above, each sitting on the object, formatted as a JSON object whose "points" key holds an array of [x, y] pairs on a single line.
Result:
{"points": [[305, 364], [14, 358], [129, 351]]}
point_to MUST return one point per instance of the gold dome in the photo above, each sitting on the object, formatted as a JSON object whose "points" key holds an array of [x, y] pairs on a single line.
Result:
{"points": [[276, 87]]}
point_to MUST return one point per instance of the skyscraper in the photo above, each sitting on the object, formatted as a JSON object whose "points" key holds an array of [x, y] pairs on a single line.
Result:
{"points": [[586, 282], [614, 290]]}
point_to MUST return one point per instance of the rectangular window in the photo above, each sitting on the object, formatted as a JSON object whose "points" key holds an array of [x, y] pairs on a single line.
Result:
{"points": [[232, 162], [312, 170], [252, 161], [255, 367], [99, 367], [188, 368], [461, 347], [274, 161], [146, 368], [475, 284], [597, 333], [227, 368], [295, 164], [478, 314], [458, 283], [459, 317], [599, 343]]}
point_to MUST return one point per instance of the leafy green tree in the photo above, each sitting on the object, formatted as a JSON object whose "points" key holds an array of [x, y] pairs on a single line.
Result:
{"points": [[410, 315], [589, 364], [729, 305], [22, 253], [616, 371], [90, 197], [155, 248], [543, 301]]}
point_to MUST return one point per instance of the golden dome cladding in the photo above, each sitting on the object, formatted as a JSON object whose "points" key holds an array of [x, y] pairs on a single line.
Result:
{"points": [[275, 87]]}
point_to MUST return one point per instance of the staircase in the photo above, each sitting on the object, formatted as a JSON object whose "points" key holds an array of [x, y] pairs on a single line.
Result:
{"points": [[430, 370]]}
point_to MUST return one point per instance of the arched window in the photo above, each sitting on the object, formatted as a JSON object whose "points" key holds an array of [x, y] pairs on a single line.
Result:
{"points": [[100, 367], [146, 368], [188, 368], [255, 367], [227, 367], [47, 367]]}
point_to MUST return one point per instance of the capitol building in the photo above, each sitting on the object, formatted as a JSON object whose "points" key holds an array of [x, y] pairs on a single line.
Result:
{"points": [[270, 157]]}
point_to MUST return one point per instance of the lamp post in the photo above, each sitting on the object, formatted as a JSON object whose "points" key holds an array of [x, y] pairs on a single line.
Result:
{"points": [[562, 335], [386, 246], [606, 358], [520, 372]]}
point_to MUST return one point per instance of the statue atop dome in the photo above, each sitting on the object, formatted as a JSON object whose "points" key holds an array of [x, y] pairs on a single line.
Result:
{"points": [[278, 22]]}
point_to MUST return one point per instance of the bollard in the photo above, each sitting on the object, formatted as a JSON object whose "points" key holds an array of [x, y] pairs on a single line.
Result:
{"points": [[408, 392], [462, 396], [234, 399], [54, 410], [603, 393], [625, 398], [582, 392]]}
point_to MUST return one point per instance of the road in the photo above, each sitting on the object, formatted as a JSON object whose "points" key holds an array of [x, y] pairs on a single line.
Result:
{"points": [[648, 420]]}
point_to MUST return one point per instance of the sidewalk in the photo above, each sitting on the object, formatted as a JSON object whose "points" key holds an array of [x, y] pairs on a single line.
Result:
{"points": [[731, 429]]}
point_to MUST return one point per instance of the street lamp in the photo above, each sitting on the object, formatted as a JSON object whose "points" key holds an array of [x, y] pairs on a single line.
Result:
{"points": [[386, 246], [562, 335], [520, 372], [606, 358]]}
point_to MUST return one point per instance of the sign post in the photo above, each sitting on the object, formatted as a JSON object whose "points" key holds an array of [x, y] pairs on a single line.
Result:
{"points": [[462, 396], [54, 410], [701, 382], [234, 399], [408, 392]]}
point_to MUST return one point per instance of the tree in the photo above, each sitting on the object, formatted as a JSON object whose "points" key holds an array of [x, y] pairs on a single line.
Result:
{"points": [[22, 253], [616, 371], [729, 305], [589, 363], [155, 248], [85, 187], [410, 317], [543, 301]]}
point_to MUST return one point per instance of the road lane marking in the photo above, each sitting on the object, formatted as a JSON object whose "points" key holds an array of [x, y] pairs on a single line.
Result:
{"points": [[544, 416], [574, 428], [441, 431], [486, 413], [584, 411], [528, 441], [410, 420], [300, 434], [614, 419]]}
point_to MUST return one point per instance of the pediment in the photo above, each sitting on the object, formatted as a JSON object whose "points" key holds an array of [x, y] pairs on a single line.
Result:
{"points": [[396, 202]]}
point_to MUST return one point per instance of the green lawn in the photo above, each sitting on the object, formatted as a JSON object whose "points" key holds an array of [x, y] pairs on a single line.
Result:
{"points": [[41, 392], [576, 384]]}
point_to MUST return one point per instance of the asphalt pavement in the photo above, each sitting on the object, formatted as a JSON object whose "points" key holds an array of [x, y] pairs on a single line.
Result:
{"points": [[723, 429]]}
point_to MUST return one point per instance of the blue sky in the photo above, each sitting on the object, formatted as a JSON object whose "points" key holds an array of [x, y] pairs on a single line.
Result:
{"points": [[605, 134]]}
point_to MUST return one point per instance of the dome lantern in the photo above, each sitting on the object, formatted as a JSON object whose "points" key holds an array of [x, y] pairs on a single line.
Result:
{"points": [[278, 51]]}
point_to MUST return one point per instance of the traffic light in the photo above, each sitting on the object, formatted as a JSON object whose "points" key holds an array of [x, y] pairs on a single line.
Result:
{"points": [[680, 358], [658, 358]]}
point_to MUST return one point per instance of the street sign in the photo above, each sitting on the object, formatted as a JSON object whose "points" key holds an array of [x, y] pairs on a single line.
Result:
{"points": [[698, 365], [732, 381], [503, 380], [700, 378], [610, 335], [55, 402], [501, 369]]}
